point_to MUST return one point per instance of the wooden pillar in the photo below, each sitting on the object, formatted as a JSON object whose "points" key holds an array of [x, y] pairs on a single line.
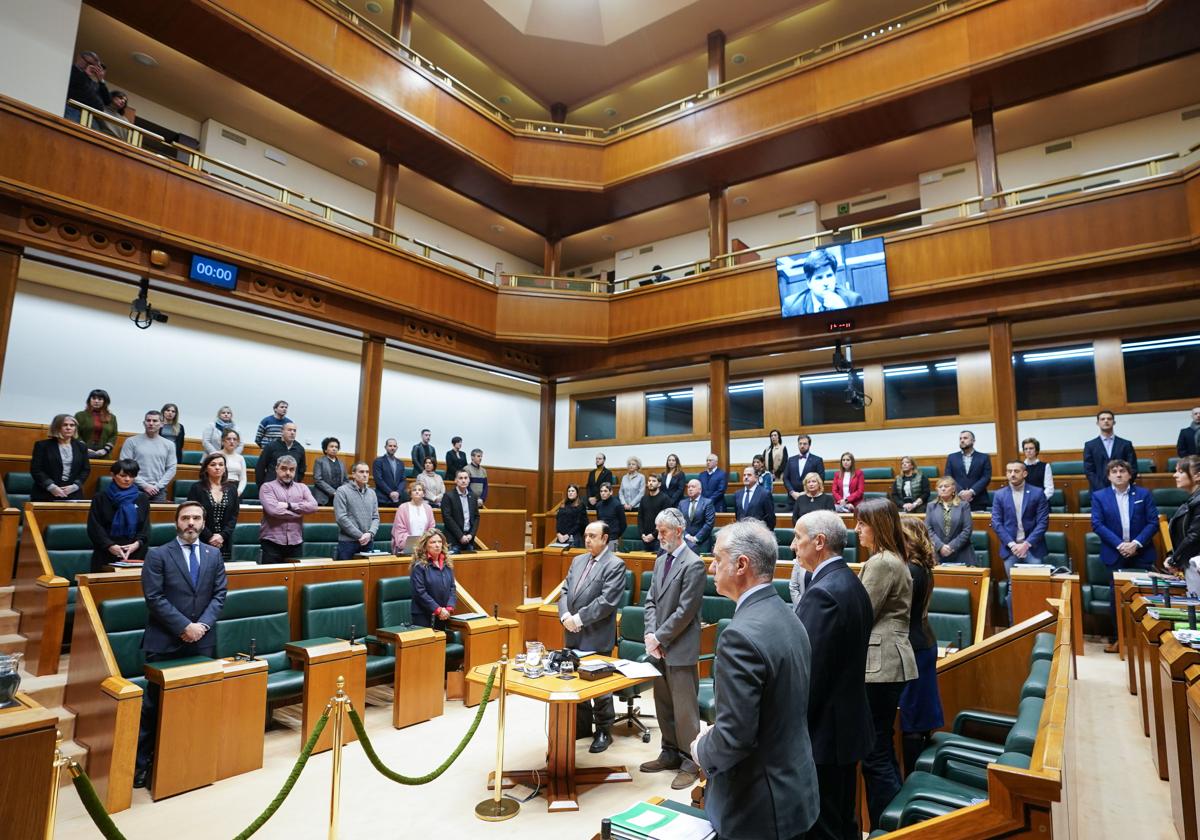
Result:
{"points": [[716, 58], [402, 21], [558, 112], [718, 408], [386, 190], [718, 224], [545, 485], [987, 171], [10, 267], [552, 257], [1004, 393], [370, 384]]}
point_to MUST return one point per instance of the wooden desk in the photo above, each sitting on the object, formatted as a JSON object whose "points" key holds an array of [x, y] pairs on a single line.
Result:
{"points": [[323, 661], [189, 723], [243, 698], [420, 675], [1150, 632], [1193, 725], [560, 778], [1031, 586], [27, 736], [1178, 664], [482, 639]]}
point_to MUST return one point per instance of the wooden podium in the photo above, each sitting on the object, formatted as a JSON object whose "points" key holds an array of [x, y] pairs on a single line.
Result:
{"points": [[1030, 586], [323, 661], [27, 736], [420, 674]]}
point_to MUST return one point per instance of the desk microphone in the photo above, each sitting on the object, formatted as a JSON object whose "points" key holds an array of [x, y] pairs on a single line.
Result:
{"points": [[253, 649], [1167, 597], [496, 611], [1192, 617]]}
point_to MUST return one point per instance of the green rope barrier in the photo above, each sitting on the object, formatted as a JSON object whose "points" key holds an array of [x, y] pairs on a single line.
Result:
{"points": [[93, 805], [400, 778]]}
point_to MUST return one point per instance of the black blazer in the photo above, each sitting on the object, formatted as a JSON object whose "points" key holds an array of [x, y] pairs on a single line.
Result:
{"points": [[173, 602], [836, 611], [1095, 460], [595, 479], [805, 503], [793, 474], [1186, 444], [977, 479], [612, 512], [455, 461], [46, 466], [676, 491], [1184, 529], [761, 506], [452, 517], [571, 520], [233, 505], [264, 470], [99, 522]]}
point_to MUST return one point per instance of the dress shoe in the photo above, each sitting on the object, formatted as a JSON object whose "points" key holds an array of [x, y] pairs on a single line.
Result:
{"points": [[140, 777], [684, 779], [601, 742], [1114, 647], [661, 763]]}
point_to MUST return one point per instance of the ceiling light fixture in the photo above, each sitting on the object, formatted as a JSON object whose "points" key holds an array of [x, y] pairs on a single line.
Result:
{"points": [[373, 7], [607, 237], [741, 201], [497, 228], [144, 59], [739, 59], [504, 100], [357, 161], [610, 112]]}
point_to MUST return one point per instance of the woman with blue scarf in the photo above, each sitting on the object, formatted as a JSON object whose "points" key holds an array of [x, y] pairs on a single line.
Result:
{"points": [[118, 522]]}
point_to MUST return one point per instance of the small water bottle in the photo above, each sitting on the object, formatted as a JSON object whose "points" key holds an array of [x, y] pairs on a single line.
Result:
{"points": [[606, 829]]}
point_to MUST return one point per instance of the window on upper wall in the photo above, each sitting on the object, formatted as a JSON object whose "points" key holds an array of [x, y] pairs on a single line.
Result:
{"points": [[669, 413], [823, 400], [745, 406], [1164, 368], [928, 389], [595, 419], [1055, 377]]}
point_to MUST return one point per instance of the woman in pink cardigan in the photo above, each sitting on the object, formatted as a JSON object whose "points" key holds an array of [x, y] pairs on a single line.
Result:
{"points": [[413, 518], [849, 484]]}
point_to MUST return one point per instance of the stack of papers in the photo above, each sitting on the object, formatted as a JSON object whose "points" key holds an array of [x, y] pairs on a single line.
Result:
{"points": [[635, 670], [644, 821]]}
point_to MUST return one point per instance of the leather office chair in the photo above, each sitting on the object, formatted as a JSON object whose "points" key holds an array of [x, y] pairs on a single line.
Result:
{"points": [[631, 646]]}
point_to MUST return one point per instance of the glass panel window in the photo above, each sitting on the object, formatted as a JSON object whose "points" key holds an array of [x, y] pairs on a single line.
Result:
{"points": [[596, 419], [825, 398], [669, 413], [1055, 377], [928, 389], [1166, 368], [745, 406]]}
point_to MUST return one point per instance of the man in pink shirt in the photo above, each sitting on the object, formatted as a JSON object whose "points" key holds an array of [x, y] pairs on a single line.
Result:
{"points": [[284, 503]]}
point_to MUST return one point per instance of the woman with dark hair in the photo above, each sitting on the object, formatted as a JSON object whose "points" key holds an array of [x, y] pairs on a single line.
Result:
{"points": [[118, 522], [434, 486], [673, 482], [96, 425], [890, 659], [219, 498], [910, 489], [172, 429], [432, 579], [849, 485], [571, 518], [609, 509], [59, 463], [329, 473], [1184, 527], [920, 703], [235, 464], [775, 456]]}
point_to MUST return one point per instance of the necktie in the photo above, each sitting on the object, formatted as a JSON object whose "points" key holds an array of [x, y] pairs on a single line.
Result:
{"points": [[692, 510], [746, 500], [194, 565], [807, 579], [667, 565]]}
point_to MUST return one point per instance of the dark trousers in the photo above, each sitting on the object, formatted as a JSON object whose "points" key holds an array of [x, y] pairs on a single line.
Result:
{"points": [[599, 712], [148, 728], [837, 819], [1124, 563], [346, 549], [678, 714], [273, 552], [880, 771]]}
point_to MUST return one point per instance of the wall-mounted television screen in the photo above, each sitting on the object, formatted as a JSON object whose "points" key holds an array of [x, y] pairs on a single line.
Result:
{"points": [[833, 278]]}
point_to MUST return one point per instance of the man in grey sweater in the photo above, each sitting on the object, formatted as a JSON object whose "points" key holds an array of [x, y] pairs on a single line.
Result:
{"points": [[155, 456], [357, 513]]}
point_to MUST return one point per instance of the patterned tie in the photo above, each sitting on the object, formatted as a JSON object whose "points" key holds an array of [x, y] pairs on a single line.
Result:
{"points": [[946, 520], [194, 565], [667, 565], [807, 579], [692, 510]]}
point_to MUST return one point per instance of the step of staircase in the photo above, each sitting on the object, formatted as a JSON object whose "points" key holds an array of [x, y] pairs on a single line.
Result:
{"points": [[77, 751], [12, 643], [48, 691], [66, 721], [6, 596], [9, 619]]}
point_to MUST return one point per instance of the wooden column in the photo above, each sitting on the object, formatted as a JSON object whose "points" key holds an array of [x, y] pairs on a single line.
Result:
{"points": [[402, 21], [558, 112], [988, 173], [10, 267], [718, 409], [716, 58], [370, 384], [545, 485], [718, 224], [386, 189], [552, 257], [1004, 393]]}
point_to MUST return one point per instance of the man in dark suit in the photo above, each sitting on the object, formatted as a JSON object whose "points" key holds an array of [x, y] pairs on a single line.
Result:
{"points": [[1125, 518], [1189, 437], [714, 483], [460, 514], [800, 465], [598, 476], [971, 470], [836, 611], [587, 609], [1020, 517], [388, 472], [184, 585], [754, 500], [1106, 447], [422, 450], [264, 470], [673, 643], [699, 514], [758, 755]]}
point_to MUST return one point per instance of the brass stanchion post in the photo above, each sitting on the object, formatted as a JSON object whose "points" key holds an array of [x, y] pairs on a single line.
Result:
{"points": [[56, 766], [338, 710], [499, 807]]}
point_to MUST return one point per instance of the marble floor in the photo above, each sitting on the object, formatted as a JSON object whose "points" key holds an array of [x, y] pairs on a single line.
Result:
{"points": [[1119, 794]]}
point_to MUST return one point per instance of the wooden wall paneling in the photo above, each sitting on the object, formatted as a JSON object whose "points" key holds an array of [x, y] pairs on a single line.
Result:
{"points": [[983, 133], [875, 412], [1110, 372], [1004, 390], [547, 317], [10, 267], [975, 384], [781, 403], [552, 257], [27, 741], [718, 222], [718, 409], [401, 25], [631, 416], [547, 412], [701, 412], [387, 187], [370, 386], [716, 59]]}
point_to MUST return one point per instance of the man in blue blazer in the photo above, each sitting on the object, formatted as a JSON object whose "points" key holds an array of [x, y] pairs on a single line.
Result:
{"points": [[388, 472], [971, 470], [753, 500], [1098, 451], [1020, 517], [800, 465], [1125, 518], [184, 585], [713, 483], [699, 514]]}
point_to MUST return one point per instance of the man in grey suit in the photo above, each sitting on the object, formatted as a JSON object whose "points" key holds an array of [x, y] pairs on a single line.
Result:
{"points": [[758, 756], [587, 609], [673, 642]]}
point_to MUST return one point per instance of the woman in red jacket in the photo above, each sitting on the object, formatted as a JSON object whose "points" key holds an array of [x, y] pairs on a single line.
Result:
{"points": [[848, 485]]}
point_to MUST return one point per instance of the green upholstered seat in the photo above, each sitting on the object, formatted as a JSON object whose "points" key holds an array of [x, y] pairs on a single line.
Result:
{"points": [[879, 473], [706, 698], [783, 502], [262, 615], [850, 553], [1058, 501], [627, 592], [950, 616], [714, 606], [631, 646], [1146, 465], [1168, 499], [873, 494], [18, 486], [1056, 549], [647, 577], [102, 483], [251, 461], [383, 537], [336, 609], [1019, 738], [782, 589], [124, 622], [1038, 680], [1043, 647], [929, 472], [1068, 468], [394, 609], [182, 487], [161, 533], [631, 539], [1085, 501], [70, 553], [1097, 592], [192, 457], [1171, 464], [730, 504], [926, 795], [250, 494], [784, 536], [246, 547], [320, 539], [981, 542]]}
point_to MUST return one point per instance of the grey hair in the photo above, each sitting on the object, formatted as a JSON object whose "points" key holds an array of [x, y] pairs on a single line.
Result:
{"points": [[672, 518], [752, 538], [829, 525], [285, 460]]}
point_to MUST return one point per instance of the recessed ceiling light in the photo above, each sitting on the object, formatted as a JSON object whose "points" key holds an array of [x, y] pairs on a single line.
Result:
{"points": [[504, 100], [144, 59], [607, 237], [374, 8], [497, 228], [610, 112], [739, 59], [357, 161], [741, 201]]}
